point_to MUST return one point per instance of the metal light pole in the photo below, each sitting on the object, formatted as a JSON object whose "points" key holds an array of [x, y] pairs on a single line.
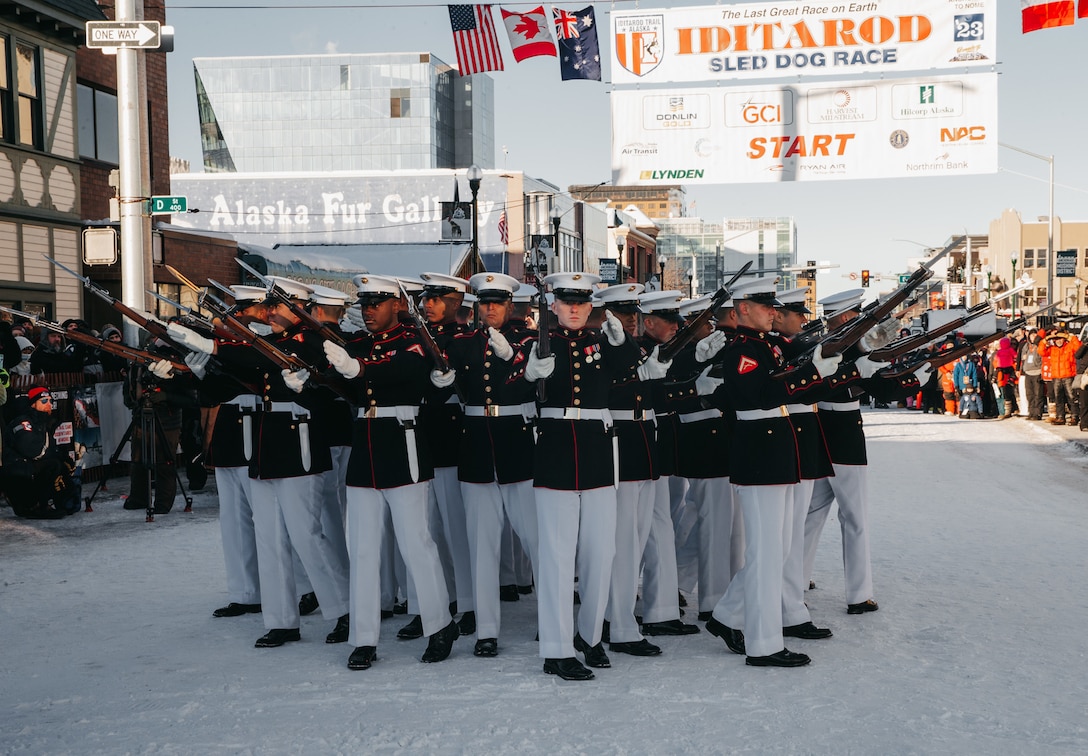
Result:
{"points": [[557, 218], [1014, 256], [989, 275], [661, 263], [691, 279], [718, 266], [621, 247], [1049, 159], [475, 175]]}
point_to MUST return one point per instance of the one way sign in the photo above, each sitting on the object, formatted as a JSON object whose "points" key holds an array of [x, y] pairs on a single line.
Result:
{"points": [[142, 34]]}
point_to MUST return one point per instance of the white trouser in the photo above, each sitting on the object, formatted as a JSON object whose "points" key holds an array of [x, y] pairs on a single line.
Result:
{"points": [[685, 519], [236, 529], [849, 488], [407, 507], [451, 507], [634, 515], [582, 525], [337, 488], [288, 513], [390, 558], [794, 611], [753, 600], [515, 566], [660, 594], [721, 545], [445, 556], [486, 507]]}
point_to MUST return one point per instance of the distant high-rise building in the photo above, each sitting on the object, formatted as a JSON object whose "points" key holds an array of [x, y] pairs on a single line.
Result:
{"points": [[342, 112], [666, 201]]}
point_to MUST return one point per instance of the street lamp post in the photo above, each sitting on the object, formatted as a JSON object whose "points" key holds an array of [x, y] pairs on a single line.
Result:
{"points": [[1049, 160], [718, 266], [475, 175], [691, 278], [621, 247], [989, 275], [1014, 256], [661, 260], [557, 218]]}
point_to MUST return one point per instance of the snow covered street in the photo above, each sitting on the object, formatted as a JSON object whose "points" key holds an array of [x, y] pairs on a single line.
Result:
{"points": [[980, 536]]}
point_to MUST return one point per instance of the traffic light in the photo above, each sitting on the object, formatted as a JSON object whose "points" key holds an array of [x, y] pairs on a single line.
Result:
{"points": [[865, 278]]}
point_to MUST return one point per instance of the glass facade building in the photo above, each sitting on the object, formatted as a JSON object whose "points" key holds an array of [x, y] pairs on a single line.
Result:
{"points": [[342, 112]]}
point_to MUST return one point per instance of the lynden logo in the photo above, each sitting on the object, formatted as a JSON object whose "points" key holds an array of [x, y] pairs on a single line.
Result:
{"points": [[671, 174], [927, 95], [639, 43], [959, 133]]}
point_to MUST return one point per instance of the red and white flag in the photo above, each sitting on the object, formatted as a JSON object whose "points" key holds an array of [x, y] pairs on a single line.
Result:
{"points": [[1048, 14], [504, 232], [474, 39], [1082, 9], [529, 33]]}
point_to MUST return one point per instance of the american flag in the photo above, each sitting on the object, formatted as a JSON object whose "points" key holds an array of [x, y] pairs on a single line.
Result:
{"points": [[474, 39], [504, 232]]}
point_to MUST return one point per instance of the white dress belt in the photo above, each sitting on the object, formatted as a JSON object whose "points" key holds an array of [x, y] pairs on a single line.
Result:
{"points": [[646, 415], [763, 414], [694, 417], [402, 412], [800, 409], [839, 406], [527, 410], [576, 413], [246, 401], [295, 409]]}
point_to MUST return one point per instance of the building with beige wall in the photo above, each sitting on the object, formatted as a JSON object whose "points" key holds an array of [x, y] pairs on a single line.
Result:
{"points": [[1010, 233]]}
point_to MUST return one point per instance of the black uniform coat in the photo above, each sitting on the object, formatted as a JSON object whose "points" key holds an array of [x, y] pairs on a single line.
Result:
{"points": [[396, 373], [577, 455], [811, 446], [702, 447], [499, 449], [441, 418], [666, 422], [765, 451], [637, 438]]}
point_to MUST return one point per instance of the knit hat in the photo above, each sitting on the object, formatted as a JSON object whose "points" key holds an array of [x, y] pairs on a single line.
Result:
{"points": [[36, 392]]}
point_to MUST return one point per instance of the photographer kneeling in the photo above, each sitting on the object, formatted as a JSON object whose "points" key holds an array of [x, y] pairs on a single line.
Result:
{"points": [[36, 475]]}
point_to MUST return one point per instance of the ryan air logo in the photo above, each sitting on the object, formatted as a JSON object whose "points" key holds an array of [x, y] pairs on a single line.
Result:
{"points": [[640, 43]]}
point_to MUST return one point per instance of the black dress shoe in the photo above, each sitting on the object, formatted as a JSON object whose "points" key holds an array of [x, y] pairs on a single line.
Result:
{"points": [[863, 607], [595, 655], [387, 614], [606, 632], [412, 630], [636, 648], [509, 593], [525, 590], [683, 601], [163, 509], [339, 633], [134, 504], [467, 625], [307, 604], [669, 627], [236, 610], [705, 616], [806, 630], [734, 639], [812, 585], [276, 638], [568, 669], [362, 657], [401, 608], [784, 658], [441, 643], [486, 647]]}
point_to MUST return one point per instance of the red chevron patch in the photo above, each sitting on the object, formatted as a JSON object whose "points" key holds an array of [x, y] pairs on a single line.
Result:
{"points": [[746, 365]]}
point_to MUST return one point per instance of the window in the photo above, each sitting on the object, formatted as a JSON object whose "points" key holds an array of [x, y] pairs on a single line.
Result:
{"points": [[1029, 259], [345, 77], [5, 93], [29, 110], [399, 103], [97, 124]]}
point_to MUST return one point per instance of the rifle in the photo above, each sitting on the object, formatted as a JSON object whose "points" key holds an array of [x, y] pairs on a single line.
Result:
{"points": [[850, 333], [543, 341], [685, 334], [152, 326], [304, 316], [193, 315], [441, 364], [908, 344], [132, 354], [949, 355]]}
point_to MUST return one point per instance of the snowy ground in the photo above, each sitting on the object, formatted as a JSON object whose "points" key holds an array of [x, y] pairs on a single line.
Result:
{"points": [[107, 644]]}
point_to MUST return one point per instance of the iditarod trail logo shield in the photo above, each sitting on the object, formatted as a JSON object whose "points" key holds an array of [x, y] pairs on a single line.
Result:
{"points": [[640, 43]]}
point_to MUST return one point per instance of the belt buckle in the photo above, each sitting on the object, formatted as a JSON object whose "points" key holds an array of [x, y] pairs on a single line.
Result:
{"points": [[371, 413], [572, 413], [491, 410], [785, 412]]}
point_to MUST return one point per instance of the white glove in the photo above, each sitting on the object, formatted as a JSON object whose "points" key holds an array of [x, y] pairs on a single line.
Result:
{"points": [[825, 366], [539, 367], [500, 347], [653, 368], [198, 363], [190, 338], [709, 346], [882, 334], [261, 329], [442, 380], [353, 319], [867, 367], [338, 357], [706, 385], [161, 369], [295, 380], [923, 373], [613, 329]]}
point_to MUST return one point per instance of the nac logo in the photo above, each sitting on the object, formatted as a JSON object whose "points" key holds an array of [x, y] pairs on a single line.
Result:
{"points": [[961, 133]]}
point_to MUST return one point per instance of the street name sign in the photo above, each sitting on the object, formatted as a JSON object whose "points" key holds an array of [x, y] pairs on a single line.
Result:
{"points": [[167, 205], [142, 34]]}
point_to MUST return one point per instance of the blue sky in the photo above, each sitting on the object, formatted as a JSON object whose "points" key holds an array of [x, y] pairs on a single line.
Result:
{"points": [[560, 131]]}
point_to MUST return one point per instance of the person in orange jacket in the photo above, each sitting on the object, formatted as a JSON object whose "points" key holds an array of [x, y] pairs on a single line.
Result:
{"points": [[1058, 350]]}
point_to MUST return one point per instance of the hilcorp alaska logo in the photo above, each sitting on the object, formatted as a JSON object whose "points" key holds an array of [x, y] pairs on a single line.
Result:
{"points": [[640, 43]]}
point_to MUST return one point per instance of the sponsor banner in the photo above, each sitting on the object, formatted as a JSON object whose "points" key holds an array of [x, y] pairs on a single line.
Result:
{"points": [[937, 126], [789, 38]]}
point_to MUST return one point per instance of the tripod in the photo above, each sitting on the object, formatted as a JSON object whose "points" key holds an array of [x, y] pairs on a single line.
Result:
{"points": [[152, 437]]}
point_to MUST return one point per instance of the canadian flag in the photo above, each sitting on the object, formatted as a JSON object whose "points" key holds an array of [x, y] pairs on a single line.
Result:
{"points": [[529, 33], [1045, 15]]}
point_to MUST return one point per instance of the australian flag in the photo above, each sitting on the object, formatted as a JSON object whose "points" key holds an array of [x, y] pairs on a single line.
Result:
{"points": [[579, 53]]}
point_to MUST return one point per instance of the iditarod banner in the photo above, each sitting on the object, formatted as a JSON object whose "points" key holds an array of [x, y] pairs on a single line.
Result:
{"points": [[897, 128], [789, 38]]}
